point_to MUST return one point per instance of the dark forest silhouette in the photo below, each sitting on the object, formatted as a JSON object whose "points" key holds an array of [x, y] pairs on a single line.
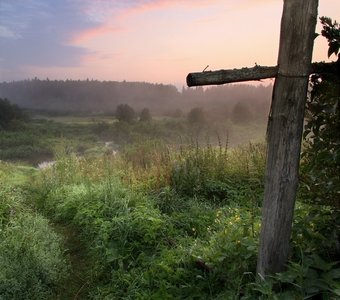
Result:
{"points": [[92, 96]]}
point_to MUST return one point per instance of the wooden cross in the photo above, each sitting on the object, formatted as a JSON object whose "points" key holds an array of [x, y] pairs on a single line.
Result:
{"points": [[285, 125]]}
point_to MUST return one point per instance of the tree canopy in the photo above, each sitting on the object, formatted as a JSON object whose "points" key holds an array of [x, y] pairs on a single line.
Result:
{"points": [[9, 112], [125, 112], [145, 115], [196, 116]]}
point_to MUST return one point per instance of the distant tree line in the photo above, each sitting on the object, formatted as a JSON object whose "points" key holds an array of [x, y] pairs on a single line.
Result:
{"points": [[62, 96], [89, 95]]}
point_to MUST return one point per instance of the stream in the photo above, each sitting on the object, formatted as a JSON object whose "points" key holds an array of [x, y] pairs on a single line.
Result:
{"points": [[109, 146]]}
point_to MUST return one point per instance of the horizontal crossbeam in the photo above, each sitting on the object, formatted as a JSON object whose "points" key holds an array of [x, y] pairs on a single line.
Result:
{"points": [[249, 74]]}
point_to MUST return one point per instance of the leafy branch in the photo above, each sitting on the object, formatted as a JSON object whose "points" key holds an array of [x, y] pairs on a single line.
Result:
{"points": [[331, 31]]}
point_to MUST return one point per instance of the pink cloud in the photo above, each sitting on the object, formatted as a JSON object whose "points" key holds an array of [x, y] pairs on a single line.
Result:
{"points": [[114, 9], [144, 5], [89, 34], [111, 14], [96, 57]]}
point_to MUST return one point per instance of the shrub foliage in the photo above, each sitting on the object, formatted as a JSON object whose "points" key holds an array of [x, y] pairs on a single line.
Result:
{"points": [[322, 130]]}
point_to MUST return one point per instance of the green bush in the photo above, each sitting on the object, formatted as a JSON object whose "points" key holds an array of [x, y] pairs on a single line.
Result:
{"points": [[32, 262], [125, 113], [9, 113], [311, 278], [316, 231], [196, 116], [145, 115], [321, 153]]}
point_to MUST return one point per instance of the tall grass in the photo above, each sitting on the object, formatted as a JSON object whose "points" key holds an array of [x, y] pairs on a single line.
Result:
{"points": [[32, 260], [167, 223], [193, 170], [221, 175], [146, 165], [141, 216]]}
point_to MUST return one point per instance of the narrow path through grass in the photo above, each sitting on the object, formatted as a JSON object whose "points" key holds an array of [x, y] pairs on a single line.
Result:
{"points": [[76, 286]]}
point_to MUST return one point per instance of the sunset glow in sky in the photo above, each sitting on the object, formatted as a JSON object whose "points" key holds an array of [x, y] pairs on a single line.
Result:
{"points": [[157, 41]]}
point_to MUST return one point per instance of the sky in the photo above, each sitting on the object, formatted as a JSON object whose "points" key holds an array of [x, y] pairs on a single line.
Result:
{"points": [[157, 41]]}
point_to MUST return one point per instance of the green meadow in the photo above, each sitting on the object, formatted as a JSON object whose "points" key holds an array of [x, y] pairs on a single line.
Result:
{"points": [[162, 209]]}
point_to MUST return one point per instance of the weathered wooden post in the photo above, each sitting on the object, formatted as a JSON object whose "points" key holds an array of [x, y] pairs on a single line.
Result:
{"points": [[284, 133], [284, 126]]}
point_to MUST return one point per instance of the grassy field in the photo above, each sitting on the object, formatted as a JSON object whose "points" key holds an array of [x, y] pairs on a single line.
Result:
{"points": [[43, 137], [159, 219], [81, 119]]}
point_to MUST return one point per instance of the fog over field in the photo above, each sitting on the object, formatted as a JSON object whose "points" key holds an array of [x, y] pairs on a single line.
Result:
{"points": [[92, 96]]}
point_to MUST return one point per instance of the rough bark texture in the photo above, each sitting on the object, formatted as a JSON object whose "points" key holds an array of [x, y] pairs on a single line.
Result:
{"points": [[248, 74], [228, 76], [285, 131]]}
